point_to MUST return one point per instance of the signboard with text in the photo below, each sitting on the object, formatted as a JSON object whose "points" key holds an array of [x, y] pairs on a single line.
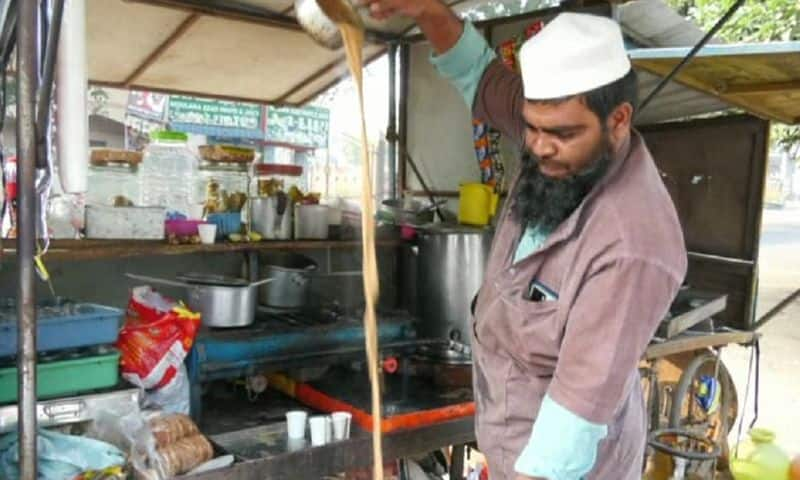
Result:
{"points": [[302, 127], [215, 117]]}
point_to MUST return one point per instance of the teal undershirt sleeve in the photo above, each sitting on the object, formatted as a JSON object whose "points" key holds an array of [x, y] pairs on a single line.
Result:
{"points": [[463, 65]]}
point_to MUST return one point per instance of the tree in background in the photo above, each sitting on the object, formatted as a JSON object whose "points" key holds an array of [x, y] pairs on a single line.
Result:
{"points": [[756, 21]]}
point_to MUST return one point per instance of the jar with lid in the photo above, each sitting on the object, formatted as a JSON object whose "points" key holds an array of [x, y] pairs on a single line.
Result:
{"points": [[229, 180], [114, 178], [273, 190], [169, 173]]}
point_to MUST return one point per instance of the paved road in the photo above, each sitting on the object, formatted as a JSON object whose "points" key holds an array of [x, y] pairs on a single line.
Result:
{"points": [[779, 261]]}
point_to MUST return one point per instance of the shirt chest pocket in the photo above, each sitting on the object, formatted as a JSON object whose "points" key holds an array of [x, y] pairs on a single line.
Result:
{"points": [[528, 331]]}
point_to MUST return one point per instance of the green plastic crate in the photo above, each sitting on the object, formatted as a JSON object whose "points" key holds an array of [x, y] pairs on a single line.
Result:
{"points": [[65, 377]]}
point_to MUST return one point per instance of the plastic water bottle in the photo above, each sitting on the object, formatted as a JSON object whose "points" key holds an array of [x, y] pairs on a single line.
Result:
{"points": [[169, 172]]}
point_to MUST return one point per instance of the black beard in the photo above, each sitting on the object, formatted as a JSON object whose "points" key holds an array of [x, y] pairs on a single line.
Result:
{"points": [[545, 201]]}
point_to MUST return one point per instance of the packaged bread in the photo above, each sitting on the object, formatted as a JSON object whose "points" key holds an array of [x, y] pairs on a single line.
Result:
{"points": [[104, 156], [168, 429], [185, 454], [226, 153]]}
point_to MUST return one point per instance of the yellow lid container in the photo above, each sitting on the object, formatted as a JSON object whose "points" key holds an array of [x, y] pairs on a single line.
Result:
{"points": [[760, 459], [477, 204]]}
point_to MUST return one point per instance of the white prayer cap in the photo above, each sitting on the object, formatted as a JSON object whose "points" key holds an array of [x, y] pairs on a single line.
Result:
{"points": [[573, 54]]}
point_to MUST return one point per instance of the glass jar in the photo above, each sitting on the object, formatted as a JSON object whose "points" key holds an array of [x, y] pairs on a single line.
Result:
{"points": [[169, 173], [113, 183], [230, 180], [269, 178]]}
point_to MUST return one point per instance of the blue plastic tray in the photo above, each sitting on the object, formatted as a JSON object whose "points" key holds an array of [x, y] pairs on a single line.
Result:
{"points": [[63, 326]]}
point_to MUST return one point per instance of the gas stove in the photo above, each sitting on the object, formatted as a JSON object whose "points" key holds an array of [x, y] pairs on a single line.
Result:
{"points": [[281, 340]]}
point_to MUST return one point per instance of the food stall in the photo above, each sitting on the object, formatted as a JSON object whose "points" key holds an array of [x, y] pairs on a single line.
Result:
{"points": [[242, 381]]}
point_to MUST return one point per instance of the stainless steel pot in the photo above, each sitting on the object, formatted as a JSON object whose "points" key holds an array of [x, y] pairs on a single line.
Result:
{"points": [[405, 212], [223, 302], [271, 217], [317, 24], [291, 276], [450, 270]]}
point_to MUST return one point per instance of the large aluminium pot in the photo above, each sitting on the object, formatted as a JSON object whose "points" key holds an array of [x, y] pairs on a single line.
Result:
{"points": [[223, 302], [291, 277], [450, 269]]}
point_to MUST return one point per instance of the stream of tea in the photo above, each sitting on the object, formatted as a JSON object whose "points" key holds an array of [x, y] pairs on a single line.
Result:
{"points": [[352, 32]]}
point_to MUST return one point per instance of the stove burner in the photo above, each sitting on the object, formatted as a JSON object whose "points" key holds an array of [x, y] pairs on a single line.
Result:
{"points": [[297, 316], [272, 321], [448, 353]]}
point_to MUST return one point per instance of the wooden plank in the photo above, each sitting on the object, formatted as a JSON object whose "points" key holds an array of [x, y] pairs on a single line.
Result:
{"points": [[757, 88], [691, 318], [688, 78], [103, 249], [747, 264], [697, 342], [165, 45], [174, 91], [348, 454], [239, 12]]}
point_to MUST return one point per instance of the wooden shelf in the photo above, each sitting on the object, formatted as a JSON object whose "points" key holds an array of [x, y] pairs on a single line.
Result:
{"points": [[690, 343], [104, 249]]}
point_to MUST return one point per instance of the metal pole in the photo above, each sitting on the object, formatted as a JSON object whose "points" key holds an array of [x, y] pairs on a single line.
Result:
{"points": [[781, 306], [664, 81], [46, 92], [27, 68], [391, 134], [402, 128]]}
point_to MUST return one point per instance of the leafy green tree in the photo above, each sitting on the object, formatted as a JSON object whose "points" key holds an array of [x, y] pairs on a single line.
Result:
{"points": [[756, 21]]}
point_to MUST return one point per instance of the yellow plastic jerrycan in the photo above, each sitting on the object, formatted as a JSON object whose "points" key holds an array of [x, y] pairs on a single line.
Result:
{"points": [[477, 204], [760, 459]]}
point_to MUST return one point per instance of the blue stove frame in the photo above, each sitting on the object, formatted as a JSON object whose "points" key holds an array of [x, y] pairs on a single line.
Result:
{"points": [[276, 342]]}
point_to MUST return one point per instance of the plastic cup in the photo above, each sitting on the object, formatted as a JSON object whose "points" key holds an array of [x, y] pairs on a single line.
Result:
{"points": [[207, 232], [296, 424], [196, 211], [295, 444], [329, 429], [341, 425], [320, 430]]}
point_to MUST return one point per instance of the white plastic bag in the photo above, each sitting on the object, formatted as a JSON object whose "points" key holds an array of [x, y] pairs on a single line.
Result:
{"points": [[128, 429], [172, 397]]}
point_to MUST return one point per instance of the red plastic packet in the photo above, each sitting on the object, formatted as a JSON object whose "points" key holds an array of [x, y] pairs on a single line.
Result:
{"points": [[155, 339]]}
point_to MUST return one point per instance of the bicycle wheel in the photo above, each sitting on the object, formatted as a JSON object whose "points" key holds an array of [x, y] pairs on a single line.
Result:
{"points": [[704, 401]]}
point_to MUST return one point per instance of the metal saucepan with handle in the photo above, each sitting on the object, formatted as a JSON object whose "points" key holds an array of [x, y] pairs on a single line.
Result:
{"points": [[223, 302], [291, 273], [407, 211]]}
